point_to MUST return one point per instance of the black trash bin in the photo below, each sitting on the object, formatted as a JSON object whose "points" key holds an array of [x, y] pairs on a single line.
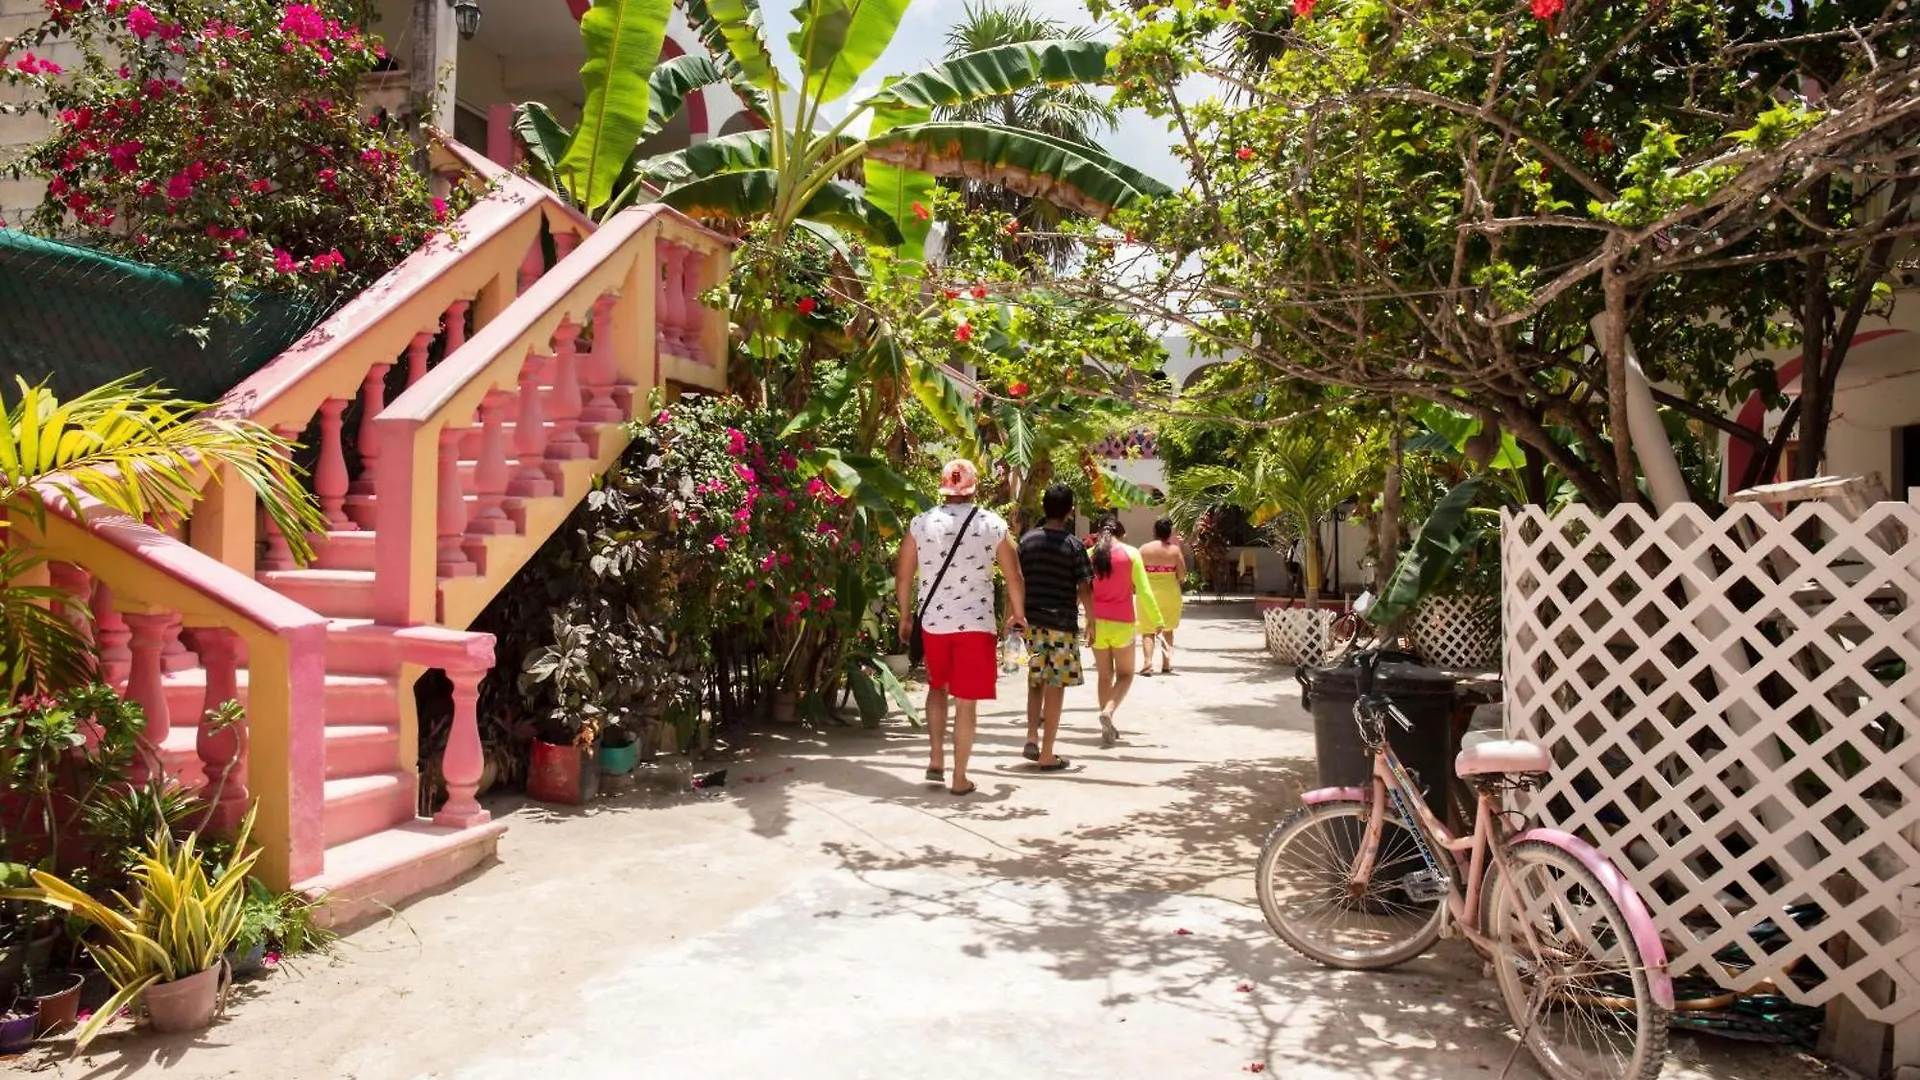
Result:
{"points": [[1426, 697]]}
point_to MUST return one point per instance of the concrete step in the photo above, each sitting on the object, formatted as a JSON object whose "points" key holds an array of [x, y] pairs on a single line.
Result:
{"points": [[351, 699], [347, 550], [357, 806], [342, 594], [364, 878], [361, 749]]}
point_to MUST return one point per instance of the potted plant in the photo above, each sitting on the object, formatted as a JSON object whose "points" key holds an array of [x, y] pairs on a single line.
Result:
{"points": [[16, 1028], [164, 947], [561, 771], [619, 747]]}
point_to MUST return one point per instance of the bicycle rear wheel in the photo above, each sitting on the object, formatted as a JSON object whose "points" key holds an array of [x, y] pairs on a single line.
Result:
{"points": [[1304, 877], [1579, 994]]}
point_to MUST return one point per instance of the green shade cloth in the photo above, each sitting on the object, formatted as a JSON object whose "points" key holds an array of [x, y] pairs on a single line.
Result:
{"points": [[77, 318]]}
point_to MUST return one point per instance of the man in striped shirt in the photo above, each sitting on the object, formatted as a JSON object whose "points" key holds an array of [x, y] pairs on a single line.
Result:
{"points": [[1059, 583]]}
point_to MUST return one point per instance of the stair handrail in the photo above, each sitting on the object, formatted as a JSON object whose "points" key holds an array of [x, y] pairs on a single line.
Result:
{"points": [[613, 283], [146, 571], [480, 262]]}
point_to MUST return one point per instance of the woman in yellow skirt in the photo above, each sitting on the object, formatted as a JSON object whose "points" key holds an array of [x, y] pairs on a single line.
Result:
{"points": [[1166, 567]]}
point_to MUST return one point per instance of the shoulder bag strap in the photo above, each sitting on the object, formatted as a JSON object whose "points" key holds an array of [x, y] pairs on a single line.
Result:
{"points": [[942, 575]]}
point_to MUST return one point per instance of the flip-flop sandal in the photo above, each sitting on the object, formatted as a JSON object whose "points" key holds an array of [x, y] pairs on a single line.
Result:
{"points": [[968, 790], [1031, 752], [1109, 735], [1148, 674], [1056, 765], [936, 776]]}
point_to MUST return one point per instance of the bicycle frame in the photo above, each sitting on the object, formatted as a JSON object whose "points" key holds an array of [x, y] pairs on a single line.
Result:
{"points": [[1467, 856]]}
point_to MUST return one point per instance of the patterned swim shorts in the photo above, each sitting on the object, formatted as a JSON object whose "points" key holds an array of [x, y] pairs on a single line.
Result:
{"points": [[1053, 658]]}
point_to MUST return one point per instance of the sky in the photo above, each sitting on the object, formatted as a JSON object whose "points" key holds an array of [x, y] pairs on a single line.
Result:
{"points": [[1140, 141]]}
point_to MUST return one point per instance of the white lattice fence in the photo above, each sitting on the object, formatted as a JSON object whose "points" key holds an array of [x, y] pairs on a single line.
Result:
{"points": [[1457, 633], [1733, 722], [1299, 635]]}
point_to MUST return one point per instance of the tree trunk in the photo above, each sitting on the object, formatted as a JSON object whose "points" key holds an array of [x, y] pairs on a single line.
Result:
{"points": [[1613, 346], [1816, 325], [1310, 562], [1390, 506]]}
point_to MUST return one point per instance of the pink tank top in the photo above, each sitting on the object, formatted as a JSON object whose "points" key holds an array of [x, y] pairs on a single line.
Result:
{"points": [[1113, 594]]}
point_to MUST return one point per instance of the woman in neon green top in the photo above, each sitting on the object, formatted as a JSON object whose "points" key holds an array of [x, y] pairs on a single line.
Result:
{"points": [[1122, 597]]}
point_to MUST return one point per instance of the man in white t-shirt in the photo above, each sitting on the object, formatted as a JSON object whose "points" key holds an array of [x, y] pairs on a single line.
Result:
{"points": [[957, 620]]}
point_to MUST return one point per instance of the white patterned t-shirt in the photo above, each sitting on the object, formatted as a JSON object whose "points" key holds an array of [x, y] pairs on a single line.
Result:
{"points": [[965, 600]]}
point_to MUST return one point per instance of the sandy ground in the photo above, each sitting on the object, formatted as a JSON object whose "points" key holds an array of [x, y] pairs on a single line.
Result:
{"points": [[833, 916]]}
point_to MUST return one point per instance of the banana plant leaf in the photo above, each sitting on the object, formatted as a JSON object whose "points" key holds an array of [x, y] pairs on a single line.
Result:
{"points": [[838, 40], [1445, 534], [678, 79], [1068, 175], [729, 153], [996, 72], [949, 403], [905, 194], [735, 196], [732, 31], [546, 139], [825, 400], [1017, 431], [623, 40], [1116, 492]]}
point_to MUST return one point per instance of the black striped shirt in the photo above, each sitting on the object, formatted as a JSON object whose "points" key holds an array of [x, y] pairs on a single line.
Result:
{"points": [[1054, 563]]}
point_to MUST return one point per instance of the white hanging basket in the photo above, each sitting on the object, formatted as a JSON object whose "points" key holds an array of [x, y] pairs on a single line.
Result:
{"points": [[1299, 635], [1457, 633]]}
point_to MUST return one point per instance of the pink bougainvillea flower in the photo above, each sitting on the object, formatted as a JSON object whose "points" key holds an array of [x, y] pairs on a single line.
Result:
{"points": [[141, 22], [440, 209], [720, 543], [1245, 153], [1547, 9], [284, 262], [963, 332], [260, 187], [921, 212], [816, 487], [305, 22], [126, 155], [744, 473], [806, 305], [180, 186], [736, 442], [662, 416], [270, 958]]}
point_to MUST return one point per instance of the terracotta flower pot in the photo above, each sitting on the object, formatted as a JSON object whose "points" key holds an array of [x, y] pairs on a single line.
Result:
{"points": [[187, 1004], [58, 1003]]}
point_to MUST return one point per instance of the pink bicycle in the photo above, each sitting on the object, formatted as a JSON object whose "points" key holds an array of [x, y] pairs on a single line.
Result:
{"points": [[1353, 880]]}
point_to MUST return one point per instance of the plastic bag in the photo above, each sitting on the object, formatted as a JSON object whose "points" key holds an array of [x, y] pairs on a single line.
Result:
{"points": [[1013, 652]]}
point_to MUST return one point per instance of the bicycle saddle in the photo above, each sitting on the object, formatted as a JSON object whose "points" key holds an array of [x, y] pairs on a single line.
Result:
{"points": [[1502, 756]]}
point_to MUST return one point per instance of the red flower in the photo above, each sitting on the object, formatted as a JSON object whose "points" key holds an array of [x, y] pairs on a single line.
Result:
{"points": [[1547, 9], [1012, 227], [921, 212], [1303, 8], [1184, 932], [979, 291], [963, 332], [1018, 389], [141, 22], [1245, 988], [951, 294], [1256, 1067], [440, 208], [1245, 153], [807, 305]]}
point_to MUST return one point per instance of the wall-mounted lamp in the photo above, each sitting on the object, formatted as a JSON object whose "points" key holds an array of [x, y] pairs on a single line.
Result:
{"points": [[466, 17]]}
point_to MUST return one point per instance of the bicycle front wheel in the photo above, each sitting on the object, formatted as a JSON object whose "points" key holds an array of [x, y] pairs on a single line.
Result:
{"points": [[1305, 881], [1576, 985]]}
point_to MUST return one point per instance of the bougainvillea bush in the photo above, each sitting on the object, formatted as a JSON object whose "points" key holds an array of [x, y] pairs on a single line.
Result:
{"points": [[223, 138]]}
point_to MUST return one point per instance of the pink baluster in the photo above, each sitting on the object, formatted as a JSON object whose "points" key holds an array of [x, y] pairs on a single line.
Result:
{"points": [[565, 443], [453, 561], [361, 493], [220, 750], [330, 472], [531, 267], [116, 660], [176, 656], [144, 685], [598, 369], [670, 305], [78, 585], [691, 310], [490, 470], [462, 764], [456, 325], [529, 440], [278, 556], [417, 357]]}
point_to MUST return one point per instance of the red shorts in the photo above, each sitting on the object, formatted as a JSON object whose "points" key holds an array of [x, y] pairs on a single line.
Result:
{"points": [[966, 665]]}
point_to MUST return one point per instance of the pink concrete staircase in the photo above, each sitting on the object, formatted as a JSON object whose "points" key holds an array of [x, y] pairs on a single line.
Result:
{"points": [[485, 389]]}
